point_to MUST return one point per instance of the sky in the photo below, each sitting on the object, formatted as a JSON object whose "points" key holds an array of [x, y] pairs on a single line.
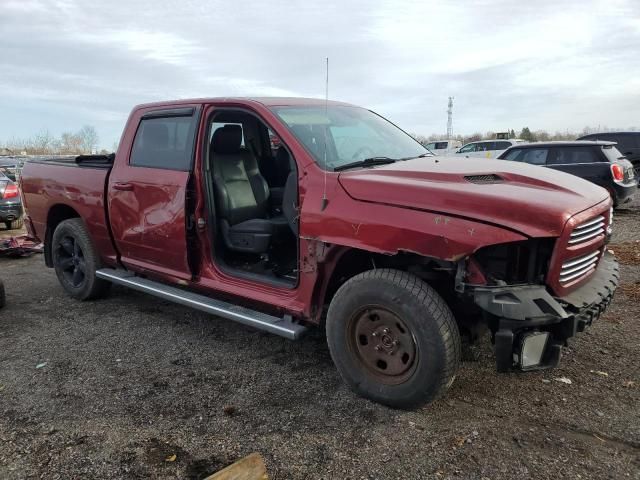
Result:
{"points": [[553, 65]]}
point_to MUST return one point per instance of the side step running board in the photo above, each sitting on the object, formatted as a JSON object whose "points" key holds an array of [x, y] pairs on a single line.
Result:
{"points": [[283, 326]]}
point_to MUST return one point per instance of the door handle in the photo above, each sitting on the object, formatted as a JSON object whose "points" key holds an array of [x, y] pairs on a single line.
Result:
{"points": [[126, 187]]}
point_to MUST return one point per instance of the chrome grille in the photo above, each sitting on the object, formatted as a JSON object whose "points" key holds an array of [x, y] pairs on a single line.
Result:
{"points": [[588, 230], [578, 267]]}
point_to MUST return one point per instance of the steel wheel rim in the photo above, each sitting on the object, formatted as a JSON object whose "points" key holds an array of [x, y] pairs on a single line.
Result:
{"points": [[71, 262], [384, 344]]}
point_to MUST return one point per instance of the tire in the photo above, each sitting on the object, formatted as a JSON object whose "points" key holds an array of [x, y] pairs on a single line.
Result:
{"points": [[373, 310], [75, 261], [15, 224]]}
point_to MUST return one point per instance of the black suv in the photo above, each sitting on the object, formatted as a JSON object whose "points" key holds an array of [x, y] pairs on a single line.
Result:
{"points": [[627, 142], [599, 162]]}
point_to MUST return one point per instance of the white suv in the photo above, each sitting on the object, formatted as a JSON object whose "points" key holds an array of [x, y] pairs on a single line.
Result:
{"points": [[487, 148], [444, 147]]}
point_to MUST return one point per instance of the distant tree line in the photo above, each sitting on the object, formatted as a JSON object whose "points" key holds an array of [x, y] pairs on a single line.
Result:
{"points": [[84, 141], [524, 134]]}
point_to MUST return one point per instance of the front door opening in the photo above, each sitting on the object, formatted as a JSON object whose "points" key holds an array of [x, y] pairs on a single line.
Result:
{"points": [[253, 198]]}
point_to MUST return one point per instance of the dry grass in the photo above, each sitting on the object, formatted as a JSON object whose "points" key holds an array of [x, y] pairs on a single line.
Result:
{"points": [[627, 252]]}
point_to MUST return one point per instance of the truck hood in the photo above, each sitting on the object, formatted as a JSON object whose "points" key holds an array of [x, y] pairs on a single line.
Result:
{"points": [[532, 200]]}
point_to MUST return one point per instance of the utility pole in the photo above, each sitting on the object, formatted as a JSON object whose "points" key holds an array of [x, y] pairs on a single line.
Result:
{"points": [[450, 119]]}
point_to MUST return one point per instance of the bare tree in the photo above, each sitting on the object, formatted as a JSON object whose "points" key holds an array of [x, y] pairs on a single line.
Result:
{"points": [[43, 143], [70, 143], [88, 138], [542, 135]]}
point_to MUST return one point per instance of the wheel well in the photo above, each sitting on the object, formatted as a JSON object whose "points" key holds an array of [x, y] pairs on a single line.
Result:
{"points": [[57, 213], [354, 261]]}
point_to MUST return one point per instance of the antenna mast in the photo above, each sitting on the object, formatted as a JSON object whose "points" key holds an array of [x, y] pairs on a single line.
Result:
{"points": [[325, 201], [450, 119]]}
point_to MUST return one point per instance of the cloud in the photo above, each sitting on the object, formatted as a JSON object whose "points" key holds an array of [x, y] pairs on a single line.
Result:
{"points": [[508, 63]]}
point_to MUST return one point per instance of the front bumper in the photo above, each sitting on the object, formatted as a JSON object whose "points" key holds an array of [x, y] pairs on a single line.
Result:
{"points": [[10, 212], [517, 312]]}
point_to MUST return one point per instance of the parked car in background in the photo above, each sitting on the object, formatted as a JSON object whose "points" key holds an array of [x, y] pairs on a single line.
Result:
{"points": [[444, 147], [487, 148], [628, 143], [599, 162], [10, 203]]}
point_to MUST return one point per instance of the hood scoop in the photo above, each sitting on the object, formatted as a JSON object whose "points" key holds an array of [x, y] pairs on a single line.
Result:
{"points": [[487, 178]]}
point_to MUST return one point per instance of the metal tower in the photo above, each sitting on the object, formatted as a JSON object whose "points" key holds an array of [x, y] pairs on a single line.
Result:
{"points": [[450, 119]]}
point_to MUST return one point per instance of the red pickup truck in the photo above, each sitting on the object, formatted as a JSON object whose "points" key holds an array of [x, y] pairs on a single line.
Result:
{"points": [[349, 224]]}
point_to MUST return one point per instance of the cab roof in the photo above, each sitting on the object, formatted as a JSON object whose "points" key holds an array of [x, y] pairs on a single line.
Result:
{"points": [[266, 101]]}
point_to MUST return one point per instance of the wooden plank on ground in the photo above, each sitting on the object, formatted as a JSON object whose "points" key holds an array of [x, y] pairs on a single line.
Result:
{"points": [[251, 467]]}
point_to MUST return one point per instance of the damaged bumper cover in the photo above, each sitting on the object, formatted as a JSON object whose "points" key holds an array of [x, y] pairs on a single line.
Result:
{"points": [[531, 325]]}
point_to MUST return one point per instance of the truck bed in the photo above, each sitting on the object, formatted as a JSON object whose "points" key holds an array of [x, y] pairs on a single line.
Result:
{"points": [[61, 184], [83, 161]]}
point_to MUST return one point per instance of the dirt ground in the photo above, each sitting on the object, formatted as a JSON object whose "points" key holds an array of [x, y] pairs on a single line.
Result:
{"points": [[114, 388]]}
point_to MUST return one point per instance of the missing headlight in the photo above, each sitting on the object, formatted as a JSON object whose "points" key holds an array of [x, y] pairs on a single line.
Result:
{"points": [[516, 262]]}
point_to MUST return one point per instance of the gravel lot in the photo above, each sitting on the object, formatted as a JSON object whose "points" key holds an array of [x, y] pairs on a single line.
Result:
{"points": [[110, 389]]}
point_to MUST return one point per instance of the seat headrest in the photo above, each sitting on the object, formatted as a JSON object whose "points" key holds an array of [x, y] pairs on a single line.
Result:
{"points": [[155, 135], [227, 139]]}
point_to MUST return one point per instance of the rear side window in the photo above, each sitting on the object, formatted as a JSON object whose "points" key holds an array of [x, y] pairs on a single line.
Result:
{"points": [[573, 155], [502, 145], [164, 142], [440, 145]]}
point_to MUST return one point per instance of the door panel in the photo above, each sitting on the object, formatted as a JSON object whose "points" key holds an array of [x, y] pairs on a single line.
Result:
{"points": [[148, 221]]}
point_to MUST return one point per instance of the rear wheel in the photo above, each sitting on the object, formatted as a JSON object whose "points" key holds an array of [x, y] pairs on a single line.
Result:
{"points": [[76, 261], [393, 338]]}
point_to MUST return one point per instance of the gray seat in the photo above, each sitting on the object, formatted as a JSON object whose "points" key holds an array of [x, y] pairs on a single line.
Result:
{"points": [[242, 195]]}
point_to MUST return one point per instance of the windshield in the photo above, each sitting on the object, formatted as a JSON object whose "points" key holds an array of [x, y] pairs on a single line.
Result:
{"points": [[347, 134]]}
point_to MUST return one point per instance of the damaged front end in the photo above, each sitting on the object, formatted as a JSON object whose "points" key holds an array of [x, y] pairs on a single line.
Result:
{"points": [[528, 321]]}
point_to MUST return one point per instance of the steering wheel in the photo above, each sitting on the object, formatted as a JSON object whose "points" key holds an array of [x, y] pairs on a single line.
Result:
{"points": [[363, 152]]}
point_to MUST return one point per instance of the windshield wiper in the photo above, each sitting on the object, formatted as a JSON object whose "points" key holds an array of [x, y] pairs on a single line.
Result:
{"points": [[367, 162], [422, 155]]}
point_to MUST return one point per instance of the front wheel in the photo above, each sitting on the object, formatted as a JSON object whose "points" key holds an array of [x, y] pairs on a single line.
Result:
{"points": [[76, 261], [393, 338]]}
